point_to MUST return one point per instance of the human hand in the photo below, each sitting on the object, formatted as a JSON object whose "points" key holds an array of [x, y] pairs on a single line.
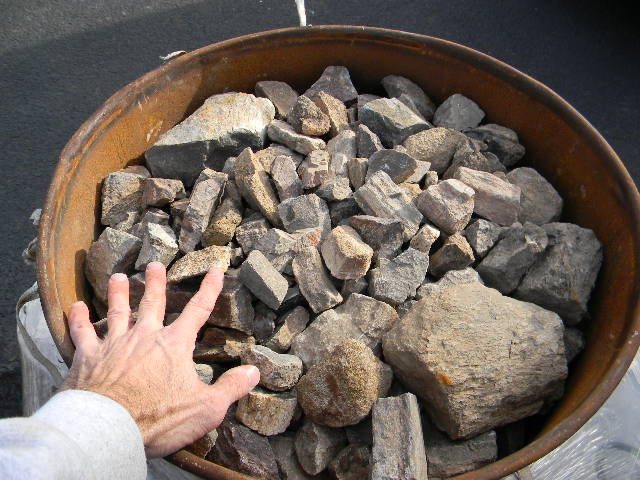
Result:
{"points": [[148, 368]]}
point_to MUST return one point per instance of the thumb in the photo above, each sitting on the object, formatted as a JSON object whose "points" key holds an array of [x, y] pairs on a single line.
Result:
{"points": [[234, 384]]}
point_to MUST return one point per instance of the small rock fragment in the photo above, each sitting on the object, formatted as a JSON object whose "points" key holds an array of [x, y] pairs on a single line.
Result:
{"points": [[345, 254], [430, 178], [291, 324], [424, 239], [341, 148], [436, 146], [421, 170], [452, 277], [341, 211], [335, 110], [233, 307], [203, 445], [159, 192], [495, 199], [285, 177], [250, 230], [122, 198], [263, 280], [458, 112], [267, 156], [225, 219], [307, 118], [397, 279], [335, 190], [264, 321], [482, 235], [278, 247], [384, 235], [501, 141], [336, 81], [391, 120], [305, 211], [469, 156], [367, 142], [221, 345], [449, 205], [398, 446], [281, 95], [205, 372], [352, 463], [278, 372], [540, 203], [357, 170], [315, 168], [284, 133], [179, 207], [399, 166], [454, 254], [197, 263], [365, 98], [573, 343], [265, 412], [158, 245], [395, 86], [317, 445], [284, 450]]}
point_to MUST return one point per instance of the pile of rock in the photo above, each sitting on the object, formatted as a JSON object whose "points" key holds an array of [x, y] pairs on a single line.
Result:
{"points": [[369, 245]]}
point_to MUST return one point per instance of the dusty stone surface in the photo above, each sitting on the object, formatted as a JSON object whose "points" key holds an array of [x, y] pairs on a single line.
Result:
{"points": [[436, 146], [359, 318], [397, 86], [178, 207], [449, 205], [292, 323], [222, 345], [252, 228], [352, 463], [278, 372], [313, 280], [225, 219], [439, 351], [495, 199], [452, 277], [233, 307], [458, 112], [399, 166], [507, 262], [244, 451], [265, 412], [421, 170], [284, 450], [357, 171], [267, 156], [340, 212], [358, 285], [563, 279], [424, 239], [278, 247], [454, 254], [573, 343], [367, 142], [335, 110], [284, 133], [398, 445], [345, 254], [159, 192], [412, 190], [222, 127], [115, 251], [336, 81], [482, 235], [468, 155], [197, 263], [281, 95], [335, 190], [540, 203], [158, 245], [384, 235], [263, 280], [203, 445], [307, 118], [397, 279], [381, 197], [391, 120], [317, 445], [122, 199], [501, 141], [342, 389], [315, 168], [305, 211], [341, 148], [285, 177]]}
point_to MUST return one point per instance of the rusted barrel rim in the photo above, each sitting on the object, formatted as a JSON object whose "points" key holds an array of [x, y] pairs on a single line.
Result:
{"points": [[112, 108]]}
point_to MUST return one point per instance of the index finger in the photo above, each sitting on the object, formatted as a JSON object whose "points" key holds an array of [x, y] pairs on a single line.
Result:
{"points": [[199, 308]]}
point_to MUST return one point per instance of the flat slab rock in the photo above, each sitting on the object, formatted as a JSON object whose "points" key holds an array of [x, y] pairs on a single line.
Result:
{"points": [[439, 350], [199, 262]]}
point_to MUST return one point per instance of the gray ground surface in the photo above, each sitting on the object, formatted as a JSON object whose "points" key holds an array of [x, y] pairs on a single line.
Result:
{"points": [[60, 59]]}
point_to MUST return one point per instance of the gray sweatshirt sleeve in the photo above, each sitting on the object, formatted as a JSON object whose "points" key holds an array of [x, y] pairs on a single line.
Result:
{"points": [[75, 435]]}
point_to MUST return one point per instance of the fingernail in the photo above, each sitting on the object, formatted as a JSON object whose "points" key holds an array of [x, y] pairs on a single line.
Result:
{"points": [[118, 277], [253, 374], [155, 266]]}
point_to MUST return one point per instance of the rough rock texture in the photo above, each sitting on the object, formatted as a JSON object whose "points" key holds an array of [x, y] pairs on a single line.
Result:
{"points": [[115, 251], [122, 199], [252, 228], [421, 170], [458, 112], [284, 133], [313, 280], [397, 87], [449, 205], [573, 342], [430, 178], [265, 412], [158, 245], [424, 239], [367, 142], [197, 263], [501, 141], [305, 211], [495, 199], [439, 350], [336, 81], [384, 235], [399, 166], [285, 177], [233, 307], [221, 345], [317, 445], [267, 156], [454, 254], [278, 372], [357, 171], [436, 145], [244, 451], [358, 285], [352, 463], [342, 389], [281, 95], [159, 192], [398, 446], [315, 168], [264, 322], [333, 190], [381, 197], [222, 127], [284, 450], [342, 148], [507, 262], [203, 445], [263, 280], [291, 324], [540, 203], [468, 155], [397, 279], [225, 219], [307, 118], [482, 235], [359, 318], [335, 110], [391, 120], [345, 254], [563, 279], [452, 277]]}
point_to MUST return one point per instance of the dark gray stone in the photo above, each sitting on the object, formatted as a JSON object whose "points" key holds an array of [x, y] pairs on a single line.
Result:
{"points": [[122, 199], [336, 81], [454, 254], [458, 112], [384, 235], [397, 279], [352, 463], [367, 142], [399, 166], [391, 120], [573, 342], [305, 211], [313, 280], [482, 235], [397, 86], [291, 324], [158, 245], [501, 141], [281, 95], [233, 307], [263, 280], [540, 203], [341, 211], [250, 230]]}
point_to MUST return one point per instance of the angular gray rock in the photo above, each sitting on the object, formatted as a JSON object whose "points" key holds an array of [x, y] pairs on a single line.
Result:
{"points": [[114, 251], [313, 280], [365, 98], [197, 263], [424, 239], [225, 219], [398, 446], [495, 199], [436, 145], [352, 463], [158, 245], [381, 197], [314, 169], [341, 148], [284, 133], [222, 127], [316, 446], [399, 166], [336, 81], [454, 254], [291, 324], [540, 203], [265, 412], [421, 170], [281, 95], [335, 110], [251, 229], [345, 254], [367, 142], [358, 285], [159, 192], [501, 141], [342, 389], [278, 372], [263, 280], [307, 118], [563, 279], [468, 155], [397, 279], [452, 277], [340, 212], [482, 235], [384, 235], [449, 205], [458, 112], [285, 177], [278, 247], [305, 211], [267, 156], [391, 120], [397, 86], [507, 262], [122, 199], [359, 318], [284, 450], [233, 307], [335, 189], [439, 351], [357, 171]]}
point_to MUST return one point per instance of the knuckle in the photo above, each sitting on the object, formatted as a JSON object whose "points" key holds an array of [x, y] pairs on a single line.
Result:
{"points": [[120, 311]]}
